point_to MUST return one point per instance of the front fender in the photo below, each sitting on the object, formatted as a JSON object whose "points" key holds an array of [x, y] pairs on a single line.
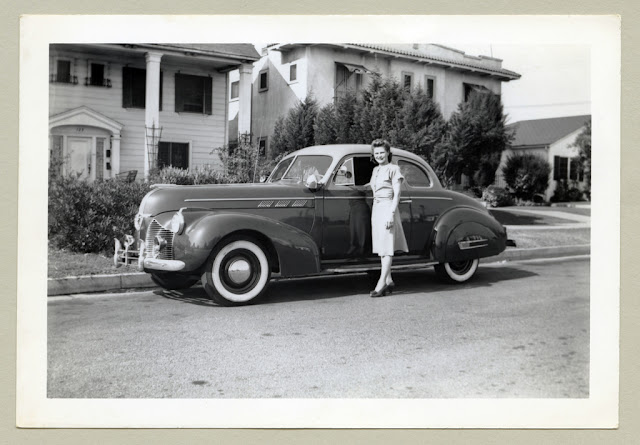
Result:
{"points": [[466, 233], [296, 251]]}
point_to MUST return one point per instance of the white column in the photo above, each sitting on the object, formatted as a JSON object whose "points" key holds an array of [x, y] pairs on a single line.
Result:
{"points": [[115, 155], [152, 100], [244, 99]]}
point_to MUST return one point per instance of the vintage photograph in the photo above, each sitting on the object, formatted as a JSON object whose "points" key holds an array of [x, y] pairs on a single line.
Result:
{"points": [[319, 220]]}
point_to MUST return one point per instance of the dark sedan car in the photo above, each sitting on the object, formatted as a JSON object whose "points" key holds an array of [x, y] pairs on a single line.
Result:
{"points": [[312, 216]]}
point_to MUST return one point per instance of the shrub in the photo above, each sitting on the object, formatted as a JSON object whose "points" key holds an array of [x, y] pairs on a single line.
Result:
{"points": [[244, 164], [86, 217], [566, 192], [497, 196], [205, 174], [526, 175]]}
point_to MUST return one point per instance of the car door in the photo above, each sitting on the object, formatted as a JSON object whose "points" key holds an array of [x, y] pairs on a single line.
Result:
{"points": [[426, 205], [346, 225]]}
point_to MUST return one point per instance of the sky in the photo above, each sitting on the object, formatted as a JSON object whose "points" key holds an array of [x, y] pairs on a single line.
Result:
{"points": [[555, 82]]}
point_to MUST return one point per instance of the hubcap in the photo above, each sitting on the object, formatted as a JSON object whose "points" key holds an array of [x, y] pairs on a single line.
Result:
{"points": [[461, 267], [239, 271]]}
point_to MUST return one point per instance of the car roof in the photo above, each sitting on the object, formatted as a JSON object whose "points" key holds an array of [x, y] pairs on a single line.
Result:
{"points": [[340, 150]]}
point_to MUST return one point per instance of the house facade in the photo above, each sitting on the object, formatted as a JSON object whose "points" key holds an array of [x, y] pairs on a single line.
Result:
{"points": [[287, 73], [117, 108], [552, 139]]}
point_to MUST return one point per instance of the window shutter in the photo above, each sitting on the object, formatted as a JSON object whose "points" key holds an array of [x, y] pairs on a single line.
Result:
{"points": [[126, 87], [178, 88], [556, 168], [208, 92]]}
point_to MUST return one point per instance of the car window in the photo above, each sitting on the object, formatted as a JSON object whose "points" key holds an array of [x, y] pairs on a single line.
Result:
{"points": [[414, 175], [305, 166], [344, 175], [354, 171], [280, 169]]}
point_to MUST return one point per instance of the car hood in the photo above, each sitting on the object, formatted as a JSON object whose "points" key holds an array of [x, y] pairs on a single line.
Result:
{"points": [[165, 198]]}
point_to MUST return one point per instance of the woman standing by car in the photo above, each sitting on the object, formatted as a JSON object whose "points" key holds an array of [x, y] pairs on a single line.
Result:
{"points": [[387, 235]]}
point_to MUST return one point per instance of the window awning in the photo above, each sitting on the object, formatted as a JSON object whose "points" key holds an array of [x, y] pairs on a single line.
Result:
{"points": [[353, 68], [481, 89]]}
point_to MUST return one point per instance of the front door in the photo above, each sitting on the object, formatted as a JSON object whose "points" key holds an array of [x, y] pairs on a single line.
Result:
{"points": [[79, 160]]}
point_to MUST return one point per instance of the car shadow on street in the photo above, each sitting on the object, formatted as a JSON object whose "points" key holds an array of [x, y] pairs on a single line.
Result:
{"points": [[194, 295], [407, 282], [338, 286]]}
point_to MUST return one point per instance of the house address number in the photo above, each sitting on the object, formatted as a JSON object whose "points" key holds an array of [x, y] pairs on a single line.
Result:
{"points": [[80, 129]]}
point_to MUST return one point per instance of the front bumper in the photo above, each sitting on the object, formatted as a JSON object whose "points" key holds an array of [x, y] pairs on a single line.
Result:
{"points": [[162, 265], [126, 255]]}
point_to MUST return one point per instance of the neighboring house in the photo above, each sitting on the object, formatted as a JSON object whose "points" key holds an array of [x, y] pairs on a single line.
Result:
{"points": [[132, 107], [288, 73], [551, 139]]}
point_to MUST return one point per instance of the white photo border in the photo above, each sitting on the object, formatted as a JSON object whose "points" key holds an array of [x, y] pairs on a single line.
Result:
{"points": [[599, 410]]}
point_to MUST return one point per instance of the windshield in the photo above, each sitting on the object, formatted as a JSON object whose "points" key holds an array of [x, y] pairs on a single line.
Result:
{"points": [[301, 168]]}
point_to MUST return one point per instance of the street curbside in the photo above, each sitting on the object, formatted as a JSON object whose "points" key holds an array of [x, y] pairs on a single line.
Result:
{"points": [[101, 283], [516, 254]]}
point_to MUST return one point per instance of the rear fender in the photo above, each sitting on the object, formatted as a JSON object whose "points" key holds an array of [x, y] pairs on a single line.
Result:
{"points": [[467, 233], [295, 250]]}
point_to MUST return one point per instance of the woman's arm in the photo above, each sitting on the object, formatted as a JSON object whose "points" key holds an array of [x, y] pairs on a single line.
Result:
{"points": [[397, 186]]}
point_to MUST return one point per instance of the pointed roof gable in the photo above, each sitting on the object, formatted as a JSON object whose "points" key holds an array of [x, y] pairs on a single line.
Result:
{"points": [[545, 131]]}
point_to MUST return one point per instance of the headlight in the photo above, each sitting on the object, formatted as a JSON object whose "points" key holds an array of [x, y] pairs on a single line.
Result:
{"points": [[177, 223], [137, 221]]}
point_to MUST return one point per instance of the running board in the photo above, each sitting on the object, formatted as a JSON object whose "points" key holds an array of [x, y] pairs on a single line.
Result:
{"points": [[361, 268]]}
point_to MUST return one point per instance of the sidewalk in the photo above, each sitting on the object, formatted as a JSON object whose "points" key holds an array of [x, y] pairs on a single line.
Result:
{"points": [[548, 219]]}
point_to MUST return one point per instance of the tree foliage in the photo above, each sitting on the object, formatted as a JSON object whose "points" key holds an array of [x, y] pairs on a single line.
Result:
{"points": [[474, 140], [583, 144], [410, 120], [296, 130], [470, 143]]}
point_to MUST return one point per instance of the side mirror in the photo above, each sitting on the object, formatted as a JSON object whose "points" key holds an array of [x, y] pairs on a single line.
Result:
{"points": [[311, 182]]}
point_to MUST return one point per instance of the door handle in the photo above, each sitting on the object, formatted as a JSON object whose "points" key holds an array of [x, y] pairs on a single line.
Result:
{"points": [[406, 201]]}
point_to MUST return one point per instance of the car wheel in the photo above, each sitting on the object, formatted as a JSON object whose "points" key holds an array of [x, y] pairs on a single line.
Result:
{"points": [[457, 271], [173, 281], [236, 273]]}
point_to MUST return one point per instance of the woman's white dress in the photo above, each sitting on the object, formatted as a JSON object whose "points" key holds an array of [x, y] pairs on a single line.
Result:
{"points": [[386, 241]]}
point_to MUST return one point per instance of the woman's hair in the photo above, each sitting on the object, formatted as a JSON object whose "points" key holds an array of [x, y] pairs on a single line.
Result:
{"points": [[381, 143]]}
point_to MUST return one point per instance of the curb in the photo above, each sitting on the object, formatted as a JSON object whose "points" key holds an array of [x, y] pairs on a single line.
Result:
{"points": [[97, 283], [516, 254], [101, 283]]}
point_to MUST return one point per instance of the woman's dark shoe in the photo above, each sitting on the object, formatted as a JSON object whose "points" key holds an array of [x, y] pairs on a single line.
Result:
{"points": [[381, 293], [391, 286]]}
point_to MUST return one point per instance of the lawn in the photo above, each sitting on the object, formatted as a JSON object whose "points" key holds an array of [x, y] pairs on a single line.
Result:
{"points": [[63, 263], [507, 218], [528, 238]]}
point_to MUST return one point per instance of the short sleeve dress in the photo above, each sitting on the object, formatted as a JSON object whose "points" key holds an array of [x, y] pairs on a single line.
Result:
{"points": [[385, 241]]}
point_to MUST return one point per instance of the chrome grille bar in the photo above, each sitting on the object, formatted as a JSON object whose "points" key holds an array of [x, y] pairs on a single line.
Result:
{"points": [[154, 230]]}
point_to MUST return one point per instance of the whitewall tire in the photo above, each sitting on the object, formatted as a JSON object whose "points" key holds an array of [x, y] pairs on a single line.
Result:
{"points": [[237, 273], [457, 272]]}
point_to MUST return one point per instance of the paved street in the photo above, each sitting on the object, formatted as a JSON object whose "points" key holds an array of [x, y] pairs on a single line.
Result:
{"points": [[516, 330]]}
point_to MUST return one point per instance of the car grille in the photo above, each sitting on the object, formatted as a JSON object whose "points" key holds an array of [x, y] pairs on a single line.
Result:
{"points": [[154, 230]]}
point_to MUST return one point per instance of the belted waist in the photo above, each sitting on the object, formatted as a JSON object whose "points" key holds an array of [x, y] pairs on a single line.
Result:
{"points": [[382, 199]]}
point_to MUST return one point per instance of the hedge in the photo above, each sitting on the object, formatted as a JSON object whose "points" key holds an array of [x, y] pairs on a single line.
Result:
{"points": [[85, 217]]}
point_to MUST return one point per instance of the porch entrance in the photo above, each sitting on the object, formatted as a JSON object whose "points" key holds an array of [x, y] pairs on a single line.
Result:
{"points": [[79, 157]]}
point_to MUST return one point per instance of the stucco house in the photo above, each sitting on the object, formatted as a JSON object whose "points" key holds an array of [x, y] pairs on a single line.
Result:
{"points": [[288, 72], [116, 108], [551, 139]]}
